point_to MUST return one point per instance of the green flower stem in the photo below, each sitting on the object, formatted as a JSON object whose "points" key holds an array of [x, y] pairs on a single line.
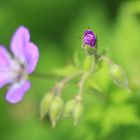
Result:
{"points": [[106, 59], [60, 85], [43, 75], [85, 77]]}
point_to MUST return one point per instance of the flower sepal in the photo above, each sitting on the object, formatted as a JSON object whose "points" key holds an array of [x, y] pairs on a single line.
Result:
{"points": [[90, 50]]}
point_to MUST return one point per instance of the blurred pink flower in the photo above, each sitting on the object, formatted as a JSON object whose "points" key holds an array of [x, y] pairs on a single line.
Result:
{"points": [[14, 70]]}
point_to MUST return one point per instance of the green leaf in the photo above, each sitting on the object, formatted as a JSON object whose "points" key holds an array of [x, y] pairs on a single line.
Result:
{"points": [[87, 62], [79, 57], [119, 115], [66, 71], [100, 79]]}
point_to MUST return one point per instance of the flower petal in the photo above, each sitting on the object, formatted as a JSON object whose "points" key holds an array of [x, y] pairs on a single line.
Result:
{"points": [[5, 59], [32, 55], [16, 92], [18, 43], [24, 50], [4, 78], [5, 62]]}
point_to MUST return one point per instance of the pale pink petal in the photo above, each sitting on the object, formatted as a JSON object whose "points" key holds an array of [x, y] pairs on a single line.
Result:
{"points": [[16, 92], [24, 50], [5, 59], [19, 42], [4, 78], [32, 55]]}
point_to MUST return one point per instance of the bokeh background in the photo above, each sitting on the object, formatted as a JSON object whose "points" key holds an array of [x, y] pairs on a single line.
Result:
{"points": [[56, 26]]}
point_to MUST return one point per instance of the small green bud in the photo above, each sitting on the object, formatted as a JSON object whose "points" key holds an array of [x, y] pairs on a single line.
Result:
{"points": [[118, 76], [77, 112], [56, 109], [90, 50], [69, 107], [45, 104]]}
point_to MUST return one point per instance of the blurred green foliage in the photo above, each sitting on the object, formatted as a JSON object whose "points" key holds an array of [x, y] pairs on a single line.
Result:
{"points": [[56, 26]]}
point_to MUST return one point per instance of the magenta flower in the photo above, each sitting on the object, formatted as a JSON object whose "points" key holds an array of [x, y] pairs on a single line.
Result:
{"points": [[14, 70], [89, 38]]}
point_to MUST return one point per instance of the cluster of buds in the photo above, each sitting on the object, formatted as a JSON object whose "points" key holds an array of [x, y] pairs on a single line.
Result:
{"points": [[74, 108], [53, 105], [14, 71], [117, 73]]}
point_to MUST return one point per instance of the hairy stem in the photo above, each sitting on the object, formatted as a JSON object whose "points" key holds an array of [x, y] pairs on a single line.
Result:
{"points": [[60, 85], [86, 75], [106, 59]]}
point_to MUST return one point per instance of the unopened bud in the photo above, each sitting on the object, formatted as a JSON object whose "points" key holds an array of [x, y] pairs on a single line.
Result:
{"points": [[56, 108], [89, 38], [45, 104], [118, 76], [89, 42], [69, 107], [77, 112]]}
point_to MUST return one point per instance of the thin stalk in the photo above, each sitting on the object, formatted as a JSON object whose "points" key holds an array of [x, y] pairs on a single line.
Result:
{"points": [[86, 76], [106, 59], [60, 85]]}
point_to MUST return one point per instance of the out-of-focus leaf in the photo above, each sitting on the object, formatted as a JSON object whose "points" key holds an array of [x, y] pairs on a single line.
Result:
{"points": [[94, 114], [126, 38], [79, 57], [66, 71], [119, 115], [88, 62], [120, 97], [91, 84], [100, 79]]}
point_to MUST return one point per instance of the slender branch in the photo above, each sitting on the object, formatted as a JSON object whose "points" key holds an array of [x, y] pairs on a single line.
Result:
{"points": [[86, 75], [60, 85], [106, 59]]}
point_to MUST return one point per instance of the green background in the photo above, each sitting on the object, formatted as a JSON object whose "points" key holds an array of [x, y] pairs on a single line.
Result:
{"points": [[55, 26]]}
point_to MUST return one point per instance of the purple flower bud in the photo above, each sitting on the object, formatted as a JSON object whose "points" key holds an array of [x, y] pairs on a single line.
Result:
{"points": [[89, 38]]}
